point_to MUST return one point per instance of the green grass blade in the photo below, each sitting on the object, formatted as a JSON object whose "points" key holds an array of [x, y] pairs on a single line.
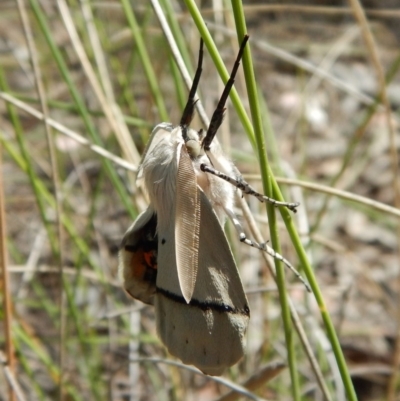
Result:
{"points": [[56, 53], [144, 56]]}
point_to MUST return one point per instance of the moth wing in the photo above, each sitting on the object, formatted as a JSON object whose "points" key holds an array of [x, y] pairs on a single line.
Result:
{"points": [[187, 225], [138, 257], [209, 331], [157, 135]]}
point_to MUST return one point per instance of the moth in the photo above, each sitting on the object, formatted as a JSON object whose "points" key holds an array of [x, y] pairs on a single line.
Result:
{"points": [[175, 255]]}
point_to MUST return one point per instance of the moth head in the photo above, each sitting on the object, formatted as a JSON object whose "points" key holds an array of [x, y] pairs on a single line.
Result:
{"points": [[192, 143]]}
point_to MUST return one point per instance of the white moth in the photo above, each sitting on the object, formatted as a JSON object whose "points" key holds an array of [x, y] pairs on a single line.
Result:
{"points": [[176, 256]]}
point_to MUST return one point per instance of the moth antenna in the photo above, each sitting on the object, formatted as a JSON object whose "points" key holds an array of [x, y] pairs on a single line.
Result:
{"points": [[263, 247], [246, 188], [201, 133], [188, 112], [218, 115]]}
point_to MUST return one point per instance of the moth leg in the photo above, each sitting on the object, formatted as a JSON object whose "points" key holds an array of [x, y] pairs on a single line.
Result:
{"points": [[247, 188], [262, 247]]}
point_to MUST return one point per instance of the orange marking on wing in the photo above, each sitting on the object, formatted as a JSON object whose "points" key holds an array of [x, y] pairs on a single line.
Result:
{"points": [[149, 258], [140, 262]]}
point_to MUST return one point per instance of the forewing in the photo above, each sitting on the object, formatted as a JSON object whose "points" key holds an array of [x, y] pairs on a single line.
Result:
{"points": [[209, 331], [157, 135], [138, 257], [187, 225]]}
